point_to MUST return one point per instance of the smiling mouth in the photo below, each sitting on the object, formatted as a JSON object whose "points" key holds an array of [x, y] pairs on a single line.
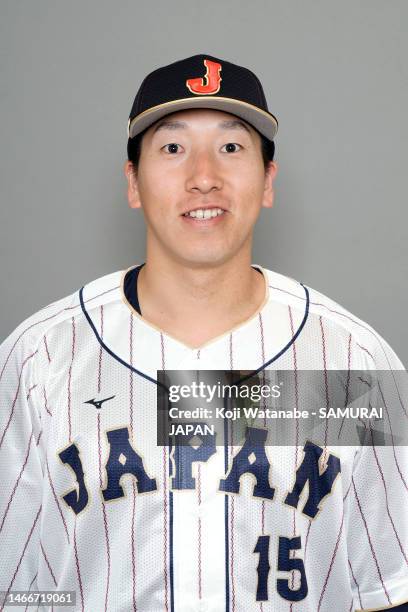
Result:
{"points": [[204, 213]]}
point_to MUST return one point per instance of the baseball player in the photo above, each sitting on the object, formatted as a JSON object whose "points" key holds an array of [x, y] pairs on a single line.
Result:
{"points": [[91, 502]]}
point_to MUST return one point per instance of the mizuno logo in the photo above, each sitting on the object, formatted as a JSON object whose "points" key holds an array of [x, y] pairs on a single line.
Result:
{"points": [[98, 403]]}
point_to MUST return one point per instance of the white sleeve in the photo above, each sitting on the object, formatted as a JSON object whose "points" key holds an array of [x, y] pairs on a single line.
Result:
{"points": [[21, 470], [377, 503]]}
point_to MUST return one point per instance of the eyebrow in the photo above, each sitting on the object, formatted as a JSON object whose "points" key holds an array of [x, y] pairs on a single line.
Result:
{"points": [[228, 124]]}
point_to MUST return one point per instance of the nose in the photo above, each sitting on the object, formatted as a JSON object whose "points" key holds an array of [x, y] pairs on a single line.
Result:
{"points": [[204, 173]]}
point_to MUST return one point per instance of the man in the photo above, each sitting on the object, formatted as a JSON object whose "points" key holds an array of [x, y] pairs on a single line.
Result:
{"points": [[92, 502]]}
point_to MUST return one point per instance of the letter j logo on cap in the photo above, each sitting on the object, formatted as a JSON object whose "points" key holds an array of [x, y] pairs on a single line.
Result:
{"points": [[210, 83]]}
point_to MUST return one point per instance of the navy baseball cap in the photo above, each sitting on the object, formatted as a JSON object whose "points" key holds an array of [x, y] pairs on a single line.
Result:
{"points": [[201, 81]]}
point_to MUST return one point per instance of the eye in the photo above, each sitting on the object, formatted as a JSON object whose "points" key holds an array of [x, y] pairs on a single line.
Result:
{"points": [[171, 148], [231, 147]]}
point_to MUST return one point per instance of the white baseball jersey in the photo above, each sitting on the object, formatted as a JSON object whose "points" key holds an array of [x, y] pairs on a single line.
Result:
{"points": [[91, 503]]}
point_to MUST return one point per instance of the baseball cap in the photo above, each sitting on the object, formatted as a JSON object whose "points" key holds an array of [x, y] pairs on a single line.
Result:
{"points": [[201, 81]]}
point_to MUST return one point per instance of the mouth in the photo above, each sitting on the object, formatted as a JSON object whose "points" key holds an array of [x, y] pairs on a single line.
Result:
{"points": [[204, 213]]}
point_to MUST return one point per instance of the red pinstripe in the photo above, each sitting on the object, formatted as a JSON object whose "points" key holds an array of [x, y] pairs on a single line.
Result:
{"points": [[199, 526], [348, 381], [105, 522], [15, 343], [231, 499], [370, 543], [69, 378], [24, 549], [200, 589], [326, 384], [396, 386], [307, 536], [262, 341], [392, 440], [130, 371], [100, 353], [132, 530], [359, 324], [165, 513], [366, 351], [48, 564], [46, 349], [386, 497], [16, 395], [70, 439], [162, 351], [327, 402], [57, 502], [49, 319], [46, 401], [356, 583], [331, 562], [323, 458], [295, 367], [392, 372], [348, 491], [29, 391], [132, 537], [81, 590], [29, 589], [232, 549], [17, 481], [199, 466]]}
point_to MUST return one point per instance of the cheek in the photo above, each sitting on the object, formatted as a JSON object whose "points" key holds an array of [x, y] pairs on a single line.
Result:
{"points": [[157, 187], [250, 186]]}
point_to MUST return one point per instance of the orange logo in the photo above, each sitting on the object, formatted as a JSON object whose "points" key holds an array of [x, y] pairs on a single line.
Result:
{"points": [[210, 83]]}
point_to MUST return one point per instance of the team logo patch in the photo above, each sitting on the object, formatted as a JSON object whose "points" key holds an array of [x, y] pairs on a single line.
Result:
{"points": [[209, 83]]}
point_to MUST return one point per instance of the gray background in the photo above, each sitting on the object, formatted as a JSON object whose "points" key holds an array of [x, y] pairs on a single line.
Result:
{"points": [[335, 75]]}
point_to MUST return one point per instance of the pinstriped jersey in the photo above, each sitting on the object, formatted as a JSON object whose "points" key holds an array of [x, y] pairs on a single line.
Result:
{"points": [[91, 503]]}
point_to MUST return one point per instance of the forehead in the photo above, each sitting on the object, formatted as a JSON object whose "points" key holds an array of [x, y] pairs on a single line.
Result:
{"points": [[198, 118]]}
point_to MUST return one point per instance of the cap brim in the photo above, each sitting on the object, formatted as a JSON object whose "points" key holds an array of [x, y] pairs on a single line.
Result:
{"points": [[261, 120]]}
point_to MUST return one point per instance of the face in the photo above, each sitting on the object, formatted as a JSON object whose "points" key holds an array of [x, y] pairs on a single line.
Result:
{"points": [[201, 183]]}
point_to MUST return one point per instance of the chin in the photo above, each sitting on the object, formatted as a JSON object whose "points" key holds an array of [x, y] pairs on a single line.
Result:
{"points": [[203, 259]]}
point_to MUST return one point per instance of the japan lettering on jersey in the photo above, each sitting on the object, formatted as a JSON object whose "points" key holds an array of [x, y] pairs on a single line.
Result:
{"points": [[91, 503]]}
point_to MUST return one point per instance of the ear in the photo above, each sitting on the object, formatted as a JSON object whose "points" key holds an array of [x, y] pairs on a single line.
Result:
{"points": [[270, 174], [132, 190]]}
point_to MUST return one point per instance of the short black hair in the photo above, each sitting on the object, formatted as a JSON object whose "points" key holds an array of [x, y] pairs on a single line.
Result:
{"points": [[134, 147]]}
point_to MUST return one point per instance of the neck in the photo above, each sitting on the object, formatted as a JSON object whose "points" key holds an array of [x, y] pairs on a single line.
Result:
{"points": [[176, 295]]}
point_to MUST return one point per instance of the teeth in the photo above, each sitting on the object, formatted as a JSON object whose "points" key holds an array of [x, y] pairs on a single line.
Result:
{"points": [[202, 213]]}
